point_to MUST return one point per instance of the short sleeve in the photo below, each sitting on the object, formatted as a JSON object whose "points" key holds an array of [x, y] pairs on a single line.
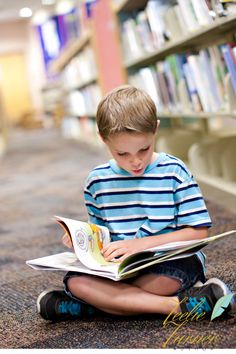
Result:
{"points": [[190, 206]]}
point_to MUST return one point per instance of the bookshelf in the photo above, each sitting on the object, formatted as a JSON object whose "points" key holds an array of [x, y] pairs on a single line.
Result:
{"points": [[85, 70], [199, 39], [146, 64], [71, 49], [77, 69]]}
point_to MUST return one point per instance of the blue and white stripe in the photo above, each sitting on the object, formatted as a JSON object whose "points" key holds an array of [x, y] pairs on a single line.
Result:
{"points": [[163, 199]]}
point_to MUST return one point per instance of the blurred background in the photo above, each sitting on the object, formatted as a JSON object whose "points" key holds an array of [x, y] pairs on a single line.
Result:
{"points": [[59, 57]]}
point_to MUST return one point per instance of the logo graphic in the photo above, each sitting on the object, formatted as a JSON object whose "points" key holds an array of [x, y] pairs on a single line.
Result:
{"points": [[221, 305]]}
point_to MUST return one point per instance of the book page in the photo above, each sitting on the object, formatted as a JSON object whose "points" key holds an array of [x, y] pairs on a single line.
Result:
{"points": [[166, 252], [67, 261], [181, 244], [88, 241]]}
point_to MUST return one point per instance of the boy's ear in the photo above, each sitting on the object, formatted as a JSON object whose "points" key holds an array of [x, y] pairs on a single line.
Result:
{"points": [[98, 133]]}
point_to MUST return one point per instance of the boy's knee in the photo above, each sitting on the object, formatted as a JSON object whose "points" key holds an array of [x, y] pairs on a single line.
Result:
{"points": [[79, 285]]}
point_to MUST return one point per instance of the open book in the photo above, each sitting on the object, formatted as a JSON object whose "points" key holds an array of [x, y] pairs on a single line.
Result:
{"points": [[88, 241]]}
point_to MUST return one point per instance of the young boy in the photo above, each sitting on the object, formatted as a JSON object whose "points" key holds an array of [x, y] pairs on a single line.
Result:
{"points": [[146, 199]]}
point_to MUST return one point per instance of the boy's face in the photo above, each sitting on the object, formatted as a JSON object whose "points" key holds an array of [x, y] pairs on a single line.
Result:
{"points": [[132, 151]]}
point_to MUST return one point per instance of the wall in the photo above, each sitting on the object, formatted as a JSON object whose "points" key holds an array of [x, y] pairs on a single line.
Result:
{"points": [[20, 37]]}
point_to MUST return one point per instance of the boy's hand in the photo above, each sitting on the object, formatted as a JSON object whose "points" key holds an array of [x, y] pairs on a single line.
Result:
{"points": [[122, 249], [67, 241]]}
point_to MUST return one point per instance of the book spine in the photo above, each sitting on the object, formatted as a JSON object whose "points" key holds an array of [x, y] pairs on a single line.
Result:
{"points": [[229, 60], [188, 14], [199, 81], [202, 12], [210, 82], [171, 19], [195, 100], [156, 23], [132, 46], [144, 31]]}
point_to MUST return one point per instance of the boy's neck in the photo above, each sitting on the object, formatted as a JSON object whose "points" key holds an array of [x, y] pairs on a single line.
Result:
{"points": [[154, 157]]}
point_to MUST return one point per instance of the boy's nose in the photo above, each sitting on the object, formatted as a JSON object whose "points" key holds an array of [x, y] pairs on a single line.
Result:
{"points": [[136, 161]]}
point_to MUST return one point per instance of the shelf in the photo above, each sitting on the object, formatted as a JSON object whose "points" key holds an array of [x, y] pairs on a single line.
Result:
{"points": [[129, 5], [91, 115], [69, 52], [218, 183], [200, 38], [197, 115], [83, 84]]}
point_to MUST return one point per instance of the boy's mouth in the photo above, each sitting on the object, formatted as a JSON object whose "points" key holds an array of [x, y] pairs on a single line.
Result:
{"points": [[137, 171]]}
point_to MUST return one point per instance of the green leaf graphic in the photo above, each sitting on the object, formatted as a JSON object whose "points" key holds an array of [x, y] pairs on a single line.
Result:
{"points": [[221, 305]]}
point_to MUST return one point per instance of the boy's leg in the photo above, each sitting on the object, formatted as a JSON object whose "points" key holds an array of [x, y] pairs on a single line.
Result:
{"points": [[171, 277], [158, 284], [146, 293], [119, 298], [125, 299]]}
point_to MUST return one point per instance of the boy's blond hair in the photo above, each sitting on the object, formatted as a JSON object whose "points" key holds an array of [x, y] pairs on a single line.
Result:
{"points": [[126, 109]]}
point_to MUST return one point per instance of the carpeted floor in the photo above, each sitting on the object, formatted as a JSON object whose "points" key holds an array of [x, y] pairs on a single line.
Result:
{"points": [[40, 176]]}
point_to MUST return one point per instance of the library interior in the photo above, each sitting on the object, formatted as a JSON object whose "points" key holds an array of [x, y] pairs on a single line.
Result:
{"points": [[58, 58]]}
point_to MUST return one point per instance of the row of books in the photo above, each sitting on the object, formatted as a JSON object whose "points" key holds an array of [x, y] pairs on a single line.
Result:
{"points": [[83, 102], [51, 97], [81, 70], [83, 128], [162, 21], [191, 82]]}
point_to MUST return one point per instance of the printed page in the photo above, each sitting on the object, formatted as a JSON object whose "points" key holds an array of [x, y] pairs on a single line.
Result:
{"points": [[88, 241], [166, 252], [67, 261]]}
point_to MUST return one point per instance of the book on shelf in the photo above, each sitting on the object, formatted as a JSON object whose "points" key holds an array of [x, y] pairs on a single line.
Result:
{"points": [[230, 60], [165, 85], [171, 19], [88, 241], [131, 41], [84, 101], [215, 100], [188, 15], [201, 12], [146, 79], [199, 80], [192, 89], [219, 69], [144, 32], [155, 10], [80, 70]]}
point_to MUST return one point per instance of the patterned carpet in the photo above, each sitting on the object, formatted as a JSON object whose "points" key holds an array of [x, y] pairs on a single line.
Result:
{"points": [[40, 176]]}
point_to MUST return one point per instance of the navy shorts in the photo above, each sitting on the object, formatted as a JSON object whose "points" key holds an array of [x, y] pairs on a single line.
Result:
{"points": [[187, 270]]}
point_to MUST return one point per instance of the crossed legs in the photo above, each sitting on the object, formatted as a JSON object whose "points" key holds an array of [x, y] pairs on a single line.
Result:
{"points": [[147, 294]]}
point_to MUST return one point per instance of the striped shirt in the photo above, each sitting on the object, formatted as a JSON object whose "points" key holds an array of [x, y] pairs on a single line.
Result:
{"points": [[165, 198]]}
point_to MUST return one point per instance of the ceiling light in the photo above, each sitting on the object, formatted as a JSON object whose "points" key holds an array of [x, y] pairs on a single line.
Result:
{"points": [[48, 2], [40, 17], [25, 12], [64, 6]]}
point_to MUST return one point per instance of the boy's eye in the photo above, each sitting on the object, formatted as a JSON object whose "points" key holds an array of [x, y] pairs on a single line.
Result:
{"points": [[146, 149], [121, 153]]}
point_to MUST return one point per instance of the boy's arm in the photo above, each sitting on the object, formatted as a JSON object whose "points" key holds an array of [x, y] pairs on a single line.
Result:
{"points": [[125, 248]]}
